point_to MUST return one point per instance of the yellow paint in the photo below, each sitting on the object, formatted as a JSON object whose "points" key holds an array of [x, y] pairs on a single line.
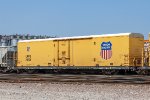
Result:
{"points": [[127, 50], [42, 53]]}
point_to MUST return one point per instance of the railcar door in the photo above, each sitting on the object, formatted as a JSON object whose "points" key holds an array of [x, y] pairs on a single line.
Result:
{"points": [[64, 53], [56, 50]]}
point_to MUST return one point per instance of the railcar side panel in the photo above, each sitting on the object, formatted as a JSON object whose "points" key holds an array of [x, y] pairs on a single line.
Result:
{"points": [[111, 51], [40, 53], [82, 52]]}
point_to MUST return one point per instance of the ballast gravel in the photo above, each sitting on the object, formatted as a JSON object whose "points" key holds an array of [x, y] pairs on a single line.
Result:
{"points": [[74, 91]]}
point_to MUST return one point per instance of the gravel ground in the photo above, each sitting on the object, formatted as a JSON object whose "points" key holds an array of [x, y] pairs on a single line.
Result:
{"points": [[75, 91]]}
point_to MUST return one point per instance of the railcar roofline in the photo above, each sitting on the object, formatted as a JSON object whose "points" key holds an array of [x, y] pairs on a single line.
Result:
{"points": [[85, 37]]}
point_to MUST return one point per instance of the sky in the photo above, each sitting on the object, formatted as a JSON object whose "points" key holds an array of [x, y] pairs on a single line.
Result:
{"points": [[74, 17]]}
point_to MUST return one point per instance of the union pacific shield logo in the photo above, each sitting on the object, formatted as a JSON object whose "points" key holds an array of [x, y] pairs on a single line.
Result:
{"points": [[106, 50]]}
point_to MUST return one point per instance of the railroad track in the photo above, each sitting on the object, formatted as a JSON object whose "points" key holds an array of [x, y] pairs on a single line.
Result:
{"points": [[20, 78]]}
